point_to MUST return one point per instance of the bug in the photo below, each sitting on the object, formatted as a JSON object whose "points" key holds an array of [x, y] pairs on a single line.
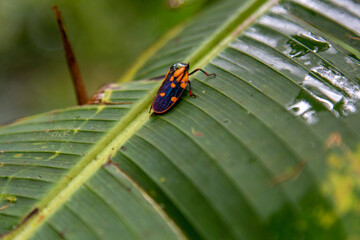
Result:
{"points": [[173, 87]]}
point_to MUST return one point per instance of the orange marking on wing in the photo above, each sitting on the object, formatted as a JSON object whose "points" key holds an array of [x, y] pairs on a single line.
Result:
{"points": [[183, 84], [172, 78], [174, 99], [162, 94], [185, 78], [179, 72], [173, 85], [167, 74], [179, 78]]}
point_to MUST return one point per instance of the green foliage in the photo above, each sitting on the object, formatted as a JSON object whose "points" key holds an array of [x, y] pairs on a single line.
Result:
{"points": [[268, 150], [107, 37]]}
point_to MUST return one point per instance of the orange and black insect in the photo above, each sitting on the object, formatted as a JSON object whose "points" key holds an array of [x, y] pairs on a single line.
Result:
{"points": [[173, 87]]}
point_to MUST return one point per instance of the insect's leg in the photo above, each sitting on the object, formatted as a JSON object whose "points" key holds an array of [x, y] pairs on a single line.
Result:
{"points": [[207, 74], [191, 94], [157, 78]]}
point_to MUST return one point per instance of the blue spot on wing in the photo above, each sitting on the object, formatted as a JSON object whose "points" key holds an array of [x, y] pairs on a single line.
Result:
{"points": [[161, 104]]}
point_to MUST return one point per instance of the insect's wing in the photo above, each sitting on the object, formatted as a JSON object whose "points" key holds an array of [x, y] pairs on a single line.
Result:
{"points": [[163, 103], [169, 92]]}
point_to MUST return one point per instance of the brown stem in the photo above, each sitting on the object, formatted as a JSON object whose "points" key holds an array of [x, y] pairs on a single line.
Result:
{"points": [[81, 94]]}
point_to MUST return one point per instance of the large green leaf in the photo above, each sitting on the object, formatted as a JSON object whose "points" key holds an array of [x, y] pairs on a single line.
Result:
{"points": [[269, 149]]}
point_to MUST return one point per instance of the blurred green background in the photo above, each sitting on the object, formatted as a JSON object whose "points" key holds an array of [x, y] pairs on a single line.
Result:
{"points": [[107, 37]]}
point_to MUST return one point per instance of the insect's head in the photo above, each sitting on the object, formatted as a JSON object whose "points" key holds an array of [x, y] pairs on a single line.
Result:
{"points": [[177, 66]]}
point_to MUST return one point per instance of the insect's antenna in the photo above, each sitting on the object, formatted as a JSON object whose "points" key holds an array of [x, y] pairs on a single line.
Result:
{"points": [[207, 74], [81, 94]]}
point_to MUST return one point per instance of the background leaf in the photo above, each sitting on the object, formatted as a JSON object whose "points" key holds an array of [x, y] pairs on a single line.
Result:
{"points": [[268, 149]]}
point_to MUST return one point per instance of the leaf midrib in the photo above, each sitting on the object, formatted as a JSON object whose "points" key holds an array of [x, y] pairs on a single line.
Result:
{"points": [[134, 120], [97, 156]]}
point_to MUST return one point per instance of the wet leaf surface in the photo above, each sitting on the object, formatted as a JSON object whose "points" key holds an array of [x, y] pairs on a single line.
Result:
{"points": [[268, 150]]}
